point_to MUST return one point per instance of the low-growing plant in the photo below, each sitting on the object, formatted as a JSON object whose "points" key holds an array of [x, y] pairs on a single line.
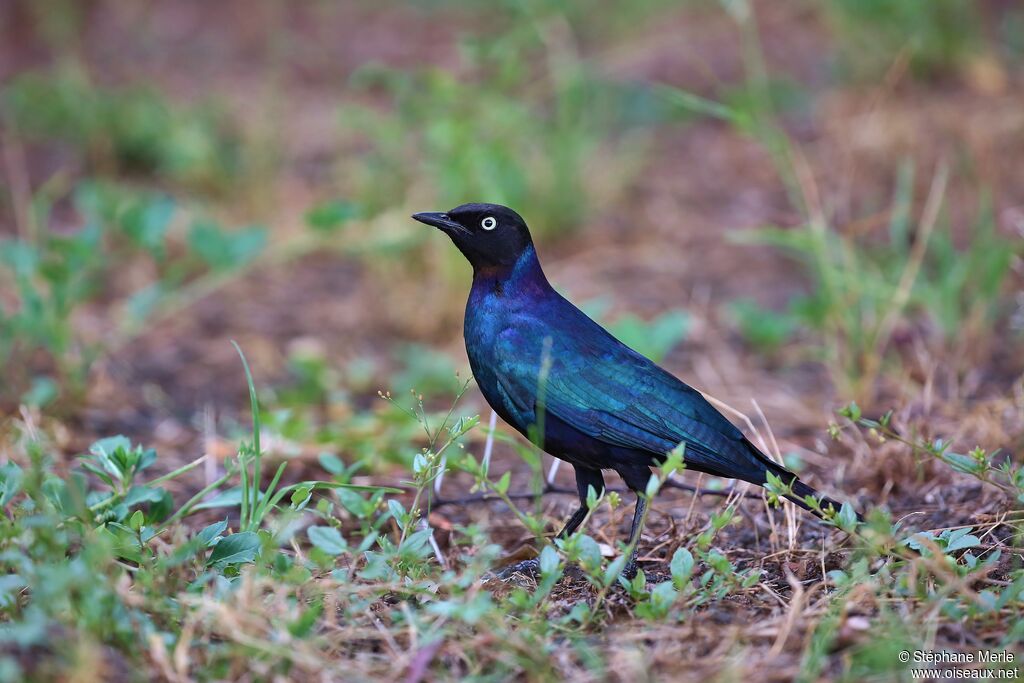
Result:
{"points": [[990, 467], [367, 559], [934, 36], [53, 274], [523, 126], [124, 130], [767, 330], [862, 287], [653, 338]]}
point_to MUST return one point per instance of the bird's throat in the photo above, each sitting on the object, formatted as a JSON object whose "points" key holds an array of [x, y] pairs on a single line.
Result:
{"points": [[524, 276]]}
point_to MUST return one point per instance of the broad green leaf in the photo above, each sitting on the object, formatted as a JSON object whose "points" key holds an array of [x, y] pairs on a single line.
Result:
{"points": [[222, 249], [235, 549], [333, 215], [10, 482], [136, 521], [615, 567], [548, 561], [42, 392], [328, 539], [962, 541], [210, 533], [847, 517], [331, 463], [142, 494], [226, 499], [681, 567], [397, 511]]}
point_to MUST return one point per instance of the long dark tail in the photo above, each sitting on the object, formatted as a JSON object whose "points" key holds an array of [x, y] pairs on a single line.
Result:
{"points": [[800, 489]]}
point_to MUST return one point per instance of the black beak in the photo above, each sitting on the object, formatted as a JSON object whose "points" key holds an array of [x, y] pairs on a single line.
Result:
{"points": [[438, 220]]}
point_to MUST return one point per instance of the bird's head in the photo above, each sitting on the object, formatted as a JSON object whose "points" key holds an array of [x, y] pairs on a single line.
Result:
{"points": [[488, 235]]}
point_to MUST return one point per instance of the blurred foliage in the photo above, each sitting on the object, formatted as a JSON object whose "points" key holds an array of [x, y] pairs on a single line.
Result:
{"points": [[863, 287], [525, 122], [992, 468], [53, 274], [933, 35], [128, 130], [765, 329], [652, 338]]}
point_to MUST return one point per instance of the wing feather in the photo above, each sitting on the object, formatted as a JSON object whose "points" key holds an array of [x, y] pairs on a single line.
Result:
{"points": [[611, 393]]}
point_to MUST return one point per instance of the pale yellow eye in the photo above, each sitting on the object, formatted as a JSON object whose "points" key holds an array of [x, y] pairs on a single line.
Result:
{"points": [[489, 223]]}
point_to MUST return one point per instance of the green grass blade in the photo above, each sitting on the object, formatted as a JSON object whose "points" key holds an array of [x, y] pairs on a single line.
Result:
{"points": [[243, 466], [264, 505], [257, 451]]}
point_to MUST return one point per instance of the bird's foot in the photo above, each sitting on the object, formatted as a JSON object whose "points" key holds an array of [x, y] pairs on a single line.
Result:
{"points": [[529, 568]]}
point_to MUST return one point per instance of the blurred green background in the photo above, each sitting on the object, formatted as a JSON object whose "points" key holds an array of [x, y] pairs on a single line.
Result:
{"points": [[178, 173]]}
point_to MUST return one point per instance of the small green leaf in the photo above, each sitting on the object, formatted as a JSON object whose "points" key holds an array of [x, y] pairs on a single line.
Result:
{"points": [[397, 511], [615, 568], [143, 494], [664, 595], [103, 476], [300, 496], [774, 484], [10, 586], [653, 484], [226, 499], [681, 567], [136, 521], [235, 549], [332, 215], [147, 221], [961, 540], [328, 539], [331, 463], [463, 425], [110, 453], [589, 552], [10, 482], [302, 626], [209, 534], [548, 561], [847, 517], [964, 463], [42, 392], [222, 249], [501, 486]]}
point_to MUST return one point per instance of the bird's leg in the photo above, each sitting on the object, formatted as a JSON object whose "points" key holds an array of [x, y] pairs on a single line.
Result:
{"points": [[585, 479], [574, 521], [636, 479], [634, 534]]}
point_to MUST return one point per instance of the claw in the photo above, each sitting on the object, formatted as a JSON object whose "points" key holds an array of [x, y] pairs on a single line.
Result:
{"points": [[528, 567]]}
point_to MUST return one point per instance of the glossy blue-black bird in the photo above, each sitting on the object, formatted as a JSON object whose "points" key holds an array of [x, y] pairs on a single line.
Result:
{"points": [[605, 406]]}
